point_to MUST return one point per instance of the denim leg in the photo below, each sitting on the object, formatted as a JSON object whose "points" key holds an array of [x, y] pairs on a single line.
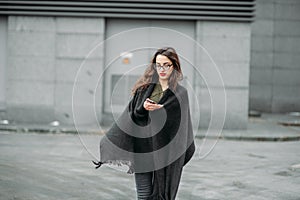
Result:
{"points": [[143, 183]]}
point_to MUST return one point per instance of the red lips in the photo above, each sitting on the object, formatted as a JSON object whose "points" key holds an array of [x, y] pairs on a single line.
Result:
{"points": [[162, 74]]}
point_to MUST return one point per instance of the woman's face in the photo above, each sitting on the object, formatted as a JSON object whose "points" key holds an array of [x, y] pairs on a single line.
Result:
{"points": [[164, 67]]}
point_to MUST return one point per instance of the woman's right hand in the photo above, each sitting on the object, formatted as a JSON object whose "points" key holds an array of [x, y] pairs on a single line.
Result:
{"points": [[151, 106]]}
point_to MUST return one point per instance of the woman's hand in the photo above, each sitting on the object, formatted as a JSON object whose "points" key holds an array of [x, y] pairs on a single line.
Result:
{"points": [[151, 106]]}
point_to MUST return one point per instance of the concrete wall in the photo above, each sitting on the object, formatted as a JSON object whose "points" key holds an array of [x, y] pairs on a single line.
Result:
{"points": [[3, 48], [228, 43], [44, 55], [275, 57]]}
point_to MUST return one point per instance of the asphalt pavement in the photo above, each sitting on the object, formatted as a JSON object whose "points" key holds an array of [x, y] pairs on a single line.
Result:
{"points": [[261, 165]]}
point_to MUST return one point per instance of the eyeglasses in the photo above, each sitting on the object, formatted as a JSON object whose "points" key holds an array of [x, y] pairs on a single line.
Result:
{"points": [[166, 67]]}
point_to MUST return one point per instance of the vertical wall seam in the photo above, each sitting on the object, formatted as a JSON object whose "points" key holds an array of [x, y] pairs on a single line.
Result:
{"points": [[273, 55], [55, 70]]}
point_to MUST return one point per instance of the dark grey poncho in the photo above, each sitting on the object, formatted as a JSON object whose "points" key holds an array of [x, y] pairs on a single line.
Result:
{"points": [[161, 141]]}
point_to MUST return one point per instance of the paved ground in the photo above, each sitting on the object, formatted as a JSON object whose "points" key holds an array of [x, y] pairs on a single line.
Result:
{"points": [[264, 128], [57, 166]]}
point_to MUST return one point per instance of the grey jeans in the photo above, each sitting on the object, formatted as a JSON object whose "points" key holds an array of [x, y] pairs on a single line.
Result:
{"points": [[144, 185]]}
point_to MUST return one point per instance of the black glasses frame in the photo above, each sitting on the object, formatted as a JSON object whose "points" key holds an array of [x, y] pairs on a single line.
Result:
{"points": [[166, 67]]}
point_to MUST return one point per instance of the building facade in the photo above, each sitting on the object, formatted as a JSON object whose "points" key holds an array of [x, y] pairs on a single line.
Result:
{"points": [[274, 63], [58, 54]]}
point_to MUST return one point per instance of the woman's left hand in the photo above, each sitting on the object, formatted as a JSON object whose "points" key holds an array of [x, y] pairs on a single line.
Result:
{"points": [[151, 106]]}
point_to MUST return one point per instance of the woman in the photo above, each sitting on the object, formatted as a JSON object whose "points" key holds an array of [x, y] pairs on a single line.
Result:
{"points": [[153, 136]]}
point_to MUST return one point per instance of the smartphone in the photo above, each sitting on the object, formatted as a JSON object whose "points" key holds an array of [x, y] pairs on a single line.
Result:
{"points": [[150, 101]]}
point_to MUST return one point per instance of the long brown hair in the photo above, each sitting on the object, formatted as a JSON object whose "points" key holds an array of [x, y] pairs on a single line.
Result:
{"points": [[150, 75]]}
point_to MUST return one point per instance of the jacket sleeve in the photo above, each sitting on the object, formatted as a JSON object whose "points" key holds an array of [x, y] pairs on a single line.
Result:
{"points": [[136, 108]]}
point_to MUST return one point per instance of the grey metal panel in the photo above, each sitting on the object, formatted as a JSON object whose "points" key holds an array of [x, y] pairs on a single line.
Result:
{"points": [[194, 9]]}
